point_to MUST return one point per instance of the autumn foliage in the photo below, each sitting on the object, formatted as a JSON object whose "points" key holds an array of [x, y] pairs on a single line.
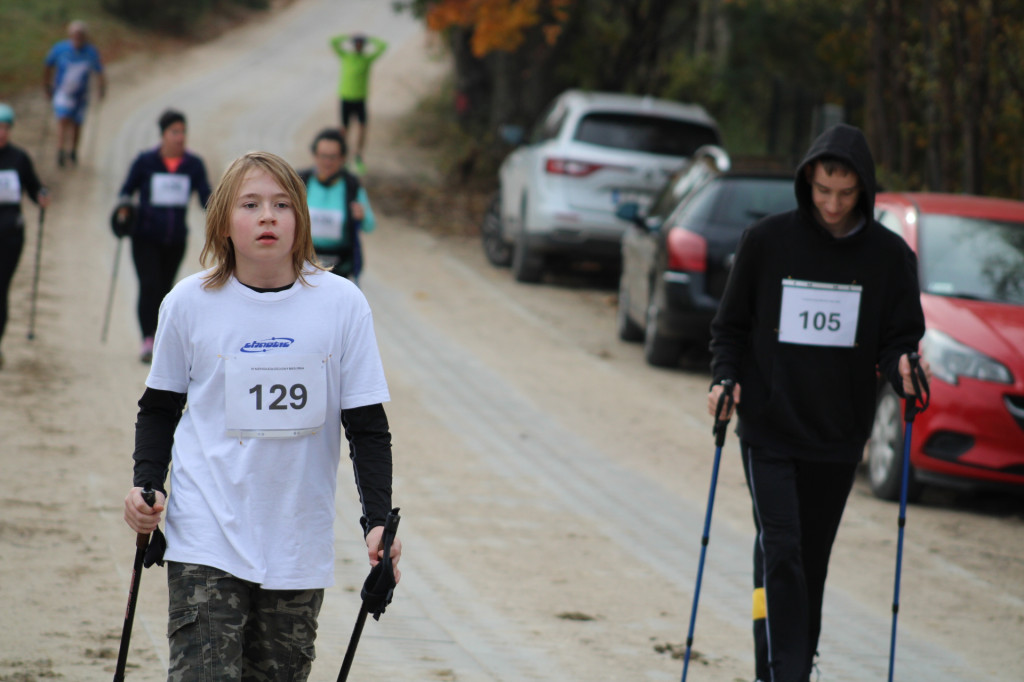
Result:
{"points": [[500, 25]]}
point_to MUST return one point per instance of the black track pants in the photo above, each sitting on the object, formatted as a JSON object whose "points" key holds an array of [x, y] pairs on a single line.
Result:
{"points": [[157, 266], [797, 508]]}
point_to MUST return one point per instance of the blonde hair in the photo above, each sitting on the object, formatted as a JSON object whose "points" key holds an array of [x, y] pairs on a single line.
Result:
{"points": [[218, 249]]}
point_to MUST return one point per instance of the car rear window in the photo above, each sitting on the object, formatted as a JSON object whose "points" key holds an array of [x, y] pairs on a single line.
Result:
{"points": [[739, 202], [643, 133], [972, 258]]}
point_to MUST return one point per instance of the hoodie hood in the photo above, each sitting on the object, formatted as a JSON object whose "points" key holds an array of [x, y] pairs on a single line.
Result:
{"points": [[848, 144]]}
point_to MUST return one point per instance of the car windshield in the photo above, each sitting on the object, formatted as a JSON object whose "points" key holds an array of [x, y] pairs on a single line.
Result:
{"points": [[738, 201], [643, 133], [972, 258]]}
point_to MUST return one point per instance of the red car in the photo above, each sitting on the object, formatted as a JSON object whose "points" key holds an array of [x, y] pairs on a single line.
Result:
{"points": [[971, 262]]}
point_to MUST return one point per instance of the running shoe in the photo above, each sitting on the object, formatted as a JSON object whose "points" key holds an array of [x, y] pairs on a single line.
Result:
{"points": [[146, 354], [360, 166]]}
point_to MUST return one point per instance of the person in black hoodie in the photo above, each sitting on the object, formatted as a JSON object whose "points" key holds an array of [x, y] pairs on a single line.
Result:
{"points": [[164, 179], [820, 300]]}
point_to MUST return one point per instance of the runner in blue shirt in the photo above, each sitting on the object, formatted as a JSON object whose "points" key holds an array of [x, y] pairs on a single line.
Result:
{"points": [[66, 80]]}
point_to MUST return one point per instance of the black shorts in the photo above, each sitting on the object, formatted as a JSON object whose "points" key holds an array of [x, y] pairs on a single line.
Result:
{"points": [[353, 107]]}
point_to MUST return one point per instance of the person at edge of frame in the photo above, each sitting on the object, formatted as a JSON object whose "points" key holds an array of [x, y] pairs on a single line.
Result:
{"points": [[339, 208], [819, 301], [17, 176], [250, 517], [164, 178]]}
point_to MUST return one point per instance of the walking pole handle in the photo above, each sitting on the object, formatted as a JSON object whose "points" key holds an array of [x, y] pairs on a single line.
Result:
{"points": [[922, 393], [388, 538], [724, 400], [149, 497], [141, 543]]}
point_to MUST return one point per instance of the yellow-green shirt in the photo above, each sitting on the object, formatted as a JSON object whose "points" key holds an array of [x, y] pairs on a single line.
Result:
{"points": [[355, 66]]}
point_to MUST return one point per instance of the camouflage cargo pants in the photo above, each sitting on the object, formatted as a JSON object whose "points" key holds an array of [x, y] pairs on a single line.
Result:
{"points": [[221, 628]]}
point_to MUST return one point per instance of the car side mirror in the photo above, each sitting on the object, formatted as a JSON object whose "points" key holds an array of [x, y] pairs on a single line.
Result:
{"points": [[631, 213], [512, 135]]}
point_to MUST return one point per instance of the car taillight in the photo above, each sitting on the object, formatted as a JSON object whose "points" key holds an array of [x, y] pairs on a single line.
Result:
{"points": [[686, 250], [575, 169]]}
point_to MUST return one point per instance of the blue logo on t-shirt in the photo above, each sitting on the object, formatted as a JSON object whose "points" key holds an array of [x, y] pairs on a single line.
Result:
{"points": [[267, 344]]}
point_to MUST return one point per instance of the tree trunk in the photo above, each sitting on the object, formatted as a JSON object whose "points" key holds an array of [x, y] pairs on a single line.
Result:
{"points": [[874, 112], [933, 145]]}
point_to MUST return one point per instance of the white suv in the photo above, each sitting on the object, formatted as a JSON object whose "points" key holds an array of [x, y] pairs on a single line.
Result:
{"points": [[589, 152]]}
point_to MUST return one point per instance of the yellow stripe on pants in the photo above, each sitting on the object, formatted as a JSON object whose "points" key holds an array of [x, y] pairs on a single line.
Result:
{"points": [[758, 610]]}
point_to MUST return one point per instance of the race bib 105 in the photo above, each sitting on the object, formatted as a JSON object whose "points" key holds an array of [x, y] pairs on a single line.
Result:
{"points": [[819, 313]]}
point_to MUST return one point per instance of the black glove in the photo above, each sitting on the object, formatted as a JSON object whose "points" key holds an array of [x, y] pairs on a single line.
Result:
{"points": [[379, 587], [123, 227], [155, 551]]}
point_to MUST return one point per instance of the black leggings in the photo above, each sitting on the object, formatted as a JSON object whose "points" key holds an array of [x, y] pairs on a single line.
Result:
{"points": [[157, 266], [12, 241]]}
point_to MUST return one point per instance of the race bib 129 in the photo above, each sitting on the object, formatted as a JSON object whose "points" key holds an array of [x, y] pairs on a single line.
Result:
{"points": [[275, 395], [819, 313]]}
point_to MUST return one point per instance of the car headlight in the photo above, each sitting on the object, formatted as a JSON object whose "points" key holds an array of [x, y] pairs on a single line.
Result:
{"points": [[951, 360]]}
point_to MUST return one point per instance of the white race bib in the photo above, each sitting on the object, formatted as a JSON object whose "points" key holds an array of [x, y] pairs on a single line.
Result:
{"points": [[275, 395], [10, 187], [169, 189], [819, 313], [325, 223], [71, 82]]}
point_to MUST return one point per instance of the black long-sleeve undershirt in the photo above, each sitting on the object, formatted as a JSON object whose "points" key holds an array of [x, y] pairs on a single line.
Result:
{"points": [[366, 429]]}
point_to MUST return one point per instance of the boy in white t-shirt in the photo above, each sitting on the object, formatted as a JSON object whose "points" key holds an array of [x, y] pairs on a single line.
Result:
{"points": [[258, 363]]}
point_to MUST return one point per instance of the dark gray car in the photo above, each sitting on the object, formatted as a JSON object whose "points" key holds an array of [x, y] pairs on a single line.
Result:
{"points": [[676, 258]]}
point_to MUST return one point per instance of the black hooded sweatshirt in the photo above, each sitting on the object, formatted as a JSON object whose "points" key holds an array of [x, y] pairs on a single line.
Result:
{"points": [[814, 401]]}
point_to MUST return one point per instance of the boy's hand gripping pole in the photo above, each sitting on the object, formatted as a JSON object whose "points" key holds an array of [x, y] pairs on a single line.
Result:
{"points": [[913, 404], [377, 590], [724, 407], [141, 543]]}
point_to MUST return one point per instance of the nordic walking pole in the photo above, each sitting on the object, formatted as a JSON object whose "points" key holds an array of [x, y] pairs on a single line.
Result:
{"points": [[122, 223], [110, 294], [725, 400], [911, 407], [91, 133], [141, 543], [35, 275], [377, 591]]}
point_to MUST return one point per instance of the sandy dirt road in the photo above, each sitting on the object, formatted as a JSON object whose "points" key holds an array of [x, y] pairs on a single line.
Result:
{"points": [[552, 486]]}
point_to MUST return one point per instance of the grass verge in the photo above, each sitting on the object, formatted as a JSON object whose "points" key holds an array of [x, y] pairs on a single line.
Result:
{"points": [[31, 27]]}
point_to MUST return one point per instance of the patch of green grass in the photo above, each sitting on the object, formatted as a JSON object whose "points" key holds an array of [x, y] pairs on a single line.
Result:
{"points": [[29, 28]]}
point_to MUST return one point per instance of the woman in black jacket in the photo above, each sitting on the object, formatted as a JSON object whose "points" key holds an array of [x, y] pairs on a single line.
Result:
{"points": [[164, 179], [17, 176]]}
